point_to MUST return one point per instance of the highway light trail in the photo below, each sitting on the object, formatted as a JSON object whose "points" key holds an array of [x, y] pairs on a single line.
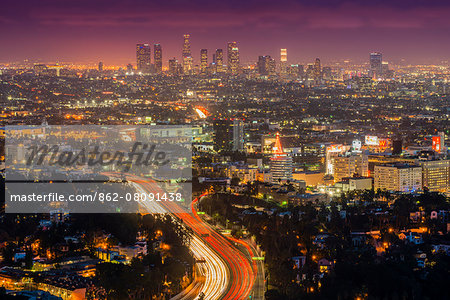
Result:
{"points": [[216, 272], [228, 272]]}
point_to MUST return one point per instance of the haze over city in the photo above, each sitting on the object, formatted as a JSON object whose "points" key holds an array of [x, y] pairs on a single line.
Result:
{"points": [[91, 31]]}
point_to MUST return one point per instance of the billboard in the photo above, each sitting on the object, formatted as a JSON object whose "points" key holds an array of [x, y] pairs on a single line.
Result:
{"points": [[356, 145], [436, 143], [372, 140], [383, 143]]}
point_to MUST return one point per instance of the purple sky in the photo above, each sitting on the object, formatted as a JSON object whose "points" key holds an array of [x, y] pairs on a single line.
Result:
{"points": [[107, 30]]}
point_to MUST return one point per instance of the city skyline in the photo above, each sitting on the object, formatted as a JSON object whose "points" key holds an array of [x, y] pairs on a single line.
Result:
{"points": [[107, 31], [240, 149]]}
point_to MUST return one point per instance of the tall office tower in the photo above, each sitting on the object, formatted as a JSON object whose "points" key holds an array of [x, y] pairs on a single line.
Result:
{"points": [[143, 57], [280, 163], [203, 61], [233, 58], [317, 70], [266, 65], [100, 66], [283, 62], [261, 65], [157, 58], [173, 66], [271, 67], [350, 165], [295, 71], [376, 64], [187, 58], [219, 61], [187, 46], [398, 177], [384, 68], [228, 135], [238, 135], [436, 175]]}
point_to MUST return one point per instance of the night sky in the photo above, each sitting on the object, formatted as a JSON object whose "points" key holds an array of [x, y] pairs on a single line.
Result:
{"points": [[90, 31]]}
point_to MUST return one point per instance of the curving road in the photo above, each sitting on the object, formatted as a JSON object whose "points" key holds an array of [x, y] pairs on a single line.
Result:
{"points": [[228, 273]]}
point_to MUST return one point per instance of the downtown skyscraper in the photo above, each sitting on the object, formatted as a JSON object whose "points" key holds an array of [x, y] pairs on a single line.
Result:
{"points": [[143, 60], [233, 58], [317, 70], [228, 135], [266, 65], [173, 66], [376, 64], [283, 62], [157, 58], [203, 61], [187, 57], [219, 60]]}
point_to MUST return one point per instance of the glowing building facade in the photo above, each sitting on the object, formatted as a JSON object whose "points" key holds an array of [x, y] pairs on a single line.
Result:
{"points": [[143, 61], [157, 58], [233, 58], [280, 163], [187, 57]]}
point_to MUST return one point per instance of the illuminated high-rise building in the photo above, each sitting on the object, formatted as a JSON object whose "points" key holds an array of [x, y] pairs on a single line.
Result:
{"points": [[157, 58], [143, 57], [295, 71], [203, 61], [398, 177], [436, 175], [280, 163], [187, 45], [173, 66], [261, 65], [350, 165], [317, 70], [228, 135], [376, 64], [266, 65], [384, 68], [271, 67], [100, 66], [187, 57], [233, 58], [219, 60], [283, 62]]}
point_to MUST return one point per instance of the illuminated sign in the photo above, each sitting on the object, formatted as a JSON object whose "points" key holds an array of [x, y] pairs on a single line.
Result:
{"points": [[436, 145], [335, 148], [383, 143], [356, 144], [371, 140]]}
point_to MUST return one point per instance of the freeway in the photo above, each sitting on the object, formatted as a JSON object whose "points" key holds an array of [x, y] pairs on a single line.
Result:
{"points": [[241, 270], [228, 272], [259, 285], [212, 274], [213, 269]]}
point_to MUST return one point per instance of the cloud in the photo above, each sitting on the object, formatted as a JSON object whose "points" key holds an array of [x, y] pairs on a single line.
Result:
{"points": [[264, 15]]}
